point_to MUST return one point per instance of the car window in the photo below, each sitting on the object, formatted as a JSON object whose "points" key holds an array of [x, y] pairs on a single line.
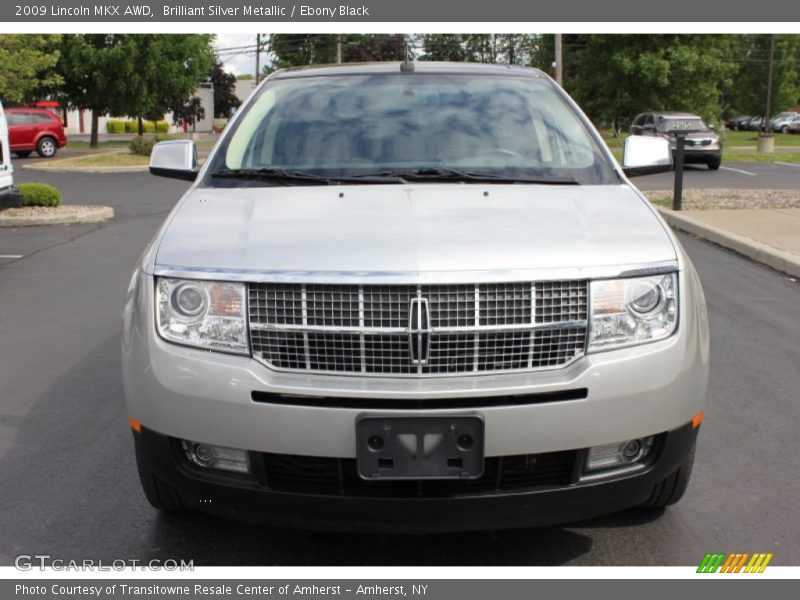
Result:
{"points": [[649, 122], [42, 118], [361, 124], [18, 118]]}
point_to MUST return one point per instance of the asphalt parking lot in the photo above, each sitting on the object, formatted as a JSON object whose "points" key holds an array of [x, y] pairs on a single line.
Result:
{"points": [[778, 175], [69, 485]]}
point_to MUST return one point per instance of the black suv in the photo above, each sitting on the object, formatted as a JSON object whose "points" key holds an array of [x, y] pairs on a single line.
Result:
{"points": [[703, 145]]}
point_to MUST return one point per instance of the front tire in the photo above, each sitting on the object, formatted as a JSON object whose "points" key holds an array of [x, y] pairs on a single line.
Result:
{"points": [[714, 164], [47, 147], [671, 489], [159, 494]]}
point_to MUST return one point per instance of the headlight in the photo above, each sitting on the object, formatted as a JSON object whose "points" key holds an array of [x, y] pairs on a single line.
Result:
{"points": [[632, 311], [206, 314]]}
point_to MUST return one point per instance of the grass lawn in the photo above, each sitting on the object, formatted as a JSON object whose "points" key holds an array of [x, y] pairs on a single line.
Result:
{"points": [[103, 159], [731, 139], [790, 157]]}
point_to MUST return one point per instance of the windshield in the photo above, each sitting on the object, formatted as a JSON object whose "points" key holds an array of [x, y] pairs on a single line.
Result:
{"points": [[395, 124]]}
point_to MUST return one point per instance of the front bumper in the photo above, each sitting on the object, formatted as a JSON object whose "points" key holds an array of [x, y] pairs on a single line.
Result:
{"points": [[209, 396], [700, 154], [250, 497]]}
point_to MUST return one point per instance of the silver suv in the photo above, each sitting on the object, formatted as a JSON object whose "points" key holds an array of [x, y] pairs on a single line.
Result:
{"points": [[413, 298]]}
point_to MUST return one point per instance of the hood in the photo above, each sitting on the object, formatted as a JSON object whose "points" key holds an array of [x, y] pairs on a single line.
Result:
{"points": [[411, 230]]}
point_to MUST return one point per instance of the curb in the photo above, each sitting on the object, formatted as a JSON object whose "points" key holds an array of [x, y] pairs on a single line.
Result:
{"points": [[758, 251], [92, 214]]}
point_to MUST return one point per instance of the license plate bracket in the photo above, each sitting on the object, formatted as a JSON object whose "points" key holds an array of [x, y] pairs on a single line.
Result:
{"points": [[419, 447]]}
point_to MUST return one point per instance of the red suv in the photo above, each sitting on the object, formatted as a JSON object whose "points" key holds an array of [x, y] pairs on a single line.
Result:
{"points": [[32, 129]]}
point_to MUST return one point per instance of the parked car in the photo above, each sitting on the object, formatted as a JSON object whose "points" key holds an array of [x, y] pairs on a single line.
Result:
{"points": [[35, 129], [413, 298], [794, 126], [741, 124], [755, 124], [781, 122], [736, 123], [702, 144]]}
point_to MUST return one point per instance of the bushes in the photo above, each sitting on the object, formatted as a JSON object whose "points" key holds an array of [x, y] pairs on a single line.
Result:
{"points": [[142, 146], [113, 126], [39, 194], [132, 126]]}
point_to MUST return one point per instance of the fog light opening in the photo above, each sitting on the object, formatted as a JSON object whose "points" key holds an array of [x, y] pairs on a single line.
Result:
{"points": [[205, 454], [631, 450], [216, 457], [617, 455]]}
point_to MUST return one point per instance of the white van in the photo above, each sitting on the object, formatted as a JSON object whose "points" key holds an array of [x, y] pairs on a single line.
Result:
{"points": [[8, 193]]}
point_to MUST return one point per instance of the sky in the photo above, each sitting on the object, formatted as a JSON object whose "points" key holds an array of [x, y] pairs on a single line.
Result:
{"points": [[238, 60]]}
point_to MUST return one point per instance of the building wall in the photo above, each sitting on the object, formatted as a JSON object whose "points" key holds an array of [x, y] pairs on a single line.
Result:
{"points": [[205, 92]]}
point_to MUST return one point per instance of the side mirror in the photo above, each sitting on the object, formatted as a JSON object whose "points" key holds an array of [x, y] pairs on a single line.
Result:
{"points": [[646, 155], [176, 159]]}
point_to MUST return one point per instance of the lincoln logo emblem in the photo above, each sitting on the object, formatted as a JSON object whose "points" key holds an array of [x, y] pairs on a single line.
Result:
{"points": [[419, 332]]}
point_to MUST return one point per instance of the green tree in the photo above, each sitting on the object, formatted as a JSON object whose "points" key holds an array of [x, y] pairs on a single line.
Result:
{"points": [[295, 50], [513, 49], [751, 53], [614, 77], [96, 69], [224, 84], [447, 46], [169, 69], [27, 66]]}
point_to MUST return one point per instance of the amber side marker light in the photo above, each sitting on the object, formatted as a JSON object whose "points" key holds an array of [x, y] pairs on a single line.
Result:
{"points": [[135, 425], [698, 418]]}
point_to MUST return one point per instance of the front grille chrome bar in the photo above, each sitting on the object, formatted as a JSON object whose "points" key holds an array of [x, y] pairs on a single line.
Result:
{"points": [[407, 330]]}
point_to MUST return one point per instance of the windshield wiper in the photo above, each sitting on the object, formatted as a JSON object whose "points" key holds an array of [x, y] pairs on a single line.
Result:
{"points": [[280, 175], [459, 175], [286, 176], [394, 176]]}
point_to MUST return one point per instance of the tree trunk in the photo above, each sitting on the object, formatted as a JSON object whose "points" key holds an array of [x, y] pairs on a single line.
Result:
{"points": [[95, 126], [141, 125]]}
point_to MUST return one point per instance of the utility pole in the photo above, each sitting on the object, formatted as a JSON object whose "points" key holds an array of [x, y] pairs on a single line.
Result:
{"points": [[766, 141], [769, 82], [338, 49], [258, 57], [559, 61]]}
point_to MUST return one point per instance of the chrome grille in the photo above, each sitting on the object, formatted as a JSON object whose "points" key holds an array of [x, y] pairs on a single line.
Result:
{"points": [[418, 330]]}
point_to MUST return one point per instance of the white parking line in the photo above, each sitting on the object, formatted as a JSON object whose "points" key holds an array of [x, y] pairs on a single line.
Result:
{"points": [[11, 255], [777, 162], [738, 171]]}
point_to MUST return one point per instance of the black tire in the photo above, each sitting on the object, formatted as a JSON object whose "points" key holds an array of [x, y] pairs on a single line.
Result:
{"points": [[714, 164], [671, 490], [784, 129], [23, 153], [159, 494], [47, 147]]}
